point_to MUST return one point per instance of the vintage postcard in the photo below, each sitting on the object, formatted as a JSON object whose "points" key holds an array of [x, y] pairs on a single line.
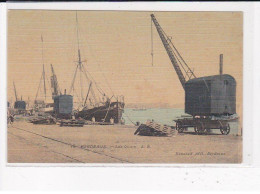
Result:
{"points": [[124, 87]]}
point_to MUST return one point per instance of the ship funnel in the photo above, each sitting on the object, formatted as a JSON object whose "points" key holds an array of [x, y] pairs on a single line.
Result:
{"points": [[220, 64]]}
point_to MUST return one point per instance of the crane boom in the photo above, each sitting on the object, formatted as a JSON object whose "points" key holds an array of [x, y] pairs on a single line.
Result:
{"points": [[172, 55], [54, 83]]}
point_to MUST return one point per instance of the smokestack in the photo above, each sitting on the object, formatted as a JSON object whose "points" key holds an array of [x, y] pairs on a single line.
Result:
{"points": [[220, 64]]}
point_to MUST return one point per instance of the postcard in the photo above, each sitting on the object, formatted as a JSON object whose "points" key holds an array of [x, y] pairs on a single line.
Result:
{"points": [[133, 87]]}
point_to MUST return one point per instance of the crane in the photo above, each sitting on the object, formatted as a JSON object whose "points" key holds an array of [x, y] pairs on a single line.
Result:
{"points": [[175, 57], [54, 84]]}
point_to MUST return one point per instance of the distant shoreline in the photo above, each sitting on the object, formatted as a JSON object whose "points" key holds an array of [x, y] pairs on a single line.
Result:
{"points": [[154, 108]]}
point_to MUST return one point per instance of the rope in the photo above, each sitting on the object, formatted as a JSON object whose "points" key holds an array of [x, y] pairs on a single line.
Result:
{"points": [[73, 80], [179, 55], [38, 88], [98, 88], [176, 56], [129, 118], [107, 110], [81, 86], [49, 82], [95, 58]]}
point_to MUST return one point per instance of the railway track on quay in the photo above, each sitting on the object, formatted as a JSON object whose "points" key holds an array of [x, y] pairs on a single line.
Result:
{"points": [[85, 153]]}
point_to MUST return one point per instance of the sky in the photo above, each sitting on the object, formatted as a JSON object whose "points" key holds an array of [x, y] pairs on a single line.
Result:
{"points": [[116, 48]]}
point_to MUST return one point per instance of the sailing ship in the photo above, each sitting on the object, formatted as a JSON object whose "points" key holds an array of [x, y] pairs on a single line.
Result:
{"points": [[103, 109]]}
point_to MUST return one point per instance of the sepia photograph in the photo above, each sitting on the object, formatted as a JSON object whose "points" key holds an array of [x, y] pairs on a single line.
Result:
{"points": [[135, 87]]}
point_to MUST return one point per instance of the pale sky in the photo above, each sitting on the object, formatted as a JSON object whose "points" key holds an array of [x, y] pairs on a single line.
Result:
{"points": [[117, 48]]}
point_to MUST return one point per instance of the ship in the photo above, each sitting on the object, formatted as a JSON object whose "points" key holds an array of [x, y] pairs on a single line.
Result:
{"points": [[109, 112], [91, 107]]}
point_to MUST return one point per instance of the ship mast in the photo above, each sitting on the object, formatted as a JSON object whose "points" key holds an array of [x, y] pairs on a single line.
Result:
{"points": [[42, 76], [79, 58], [43, 71], [79, 64], [82, 70], [15, 92]]}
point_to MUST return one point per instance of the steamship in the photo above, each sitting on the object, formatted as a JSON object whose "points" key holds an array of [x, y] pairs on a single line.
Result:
{"points": [[109, 109]]}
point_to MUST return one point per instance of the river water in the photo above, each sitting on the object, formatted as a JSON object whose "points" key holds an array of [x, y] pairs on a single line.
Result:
{"points": [[165, 116]]}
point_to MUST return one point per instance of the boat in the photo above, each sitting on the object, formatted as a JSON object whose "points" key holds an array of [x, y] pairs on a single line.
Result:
{"points": [[92, 108], [109, 112]]}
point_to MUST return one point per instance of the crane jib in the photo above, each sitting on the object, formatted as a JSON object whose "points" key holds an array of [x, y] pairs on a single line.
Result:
{"points": [[171, 53]]}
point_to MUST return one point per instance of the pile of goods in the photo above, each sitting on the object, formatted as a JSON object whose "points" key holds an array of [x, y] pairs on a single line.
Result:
{"points": [[154, 129]]}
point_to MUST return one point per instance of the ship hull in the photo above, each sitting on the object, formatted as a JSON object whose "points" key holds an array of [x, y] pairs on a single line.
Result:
{"points": [[103, 113]]}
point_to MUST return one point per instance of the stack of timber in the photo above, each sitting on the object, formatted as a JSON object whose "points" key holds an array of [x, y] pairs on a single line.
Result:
{"points": [[155, 129]]}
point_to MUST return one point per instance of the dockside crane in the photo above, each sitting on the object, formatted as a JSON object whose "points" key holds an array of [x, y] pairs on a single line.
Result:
{"points": [[175, 57], [206, 98], [54, 84]]}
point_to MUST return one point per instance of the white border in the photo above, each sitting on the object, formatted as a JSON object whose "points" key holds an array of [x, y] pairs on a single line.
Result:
{"points": [[256, 89], [250, 140]]}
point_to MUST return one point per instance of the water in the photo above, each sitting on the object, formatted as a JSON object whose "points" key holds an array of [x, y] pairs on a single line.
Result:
{"points": [[164, 116]]}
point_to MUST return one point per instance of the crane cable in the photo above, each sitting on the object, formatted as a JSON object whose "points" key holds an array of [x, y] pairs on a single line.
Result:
{"points": [[174, 52], [129, 119], [179, 55]]}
